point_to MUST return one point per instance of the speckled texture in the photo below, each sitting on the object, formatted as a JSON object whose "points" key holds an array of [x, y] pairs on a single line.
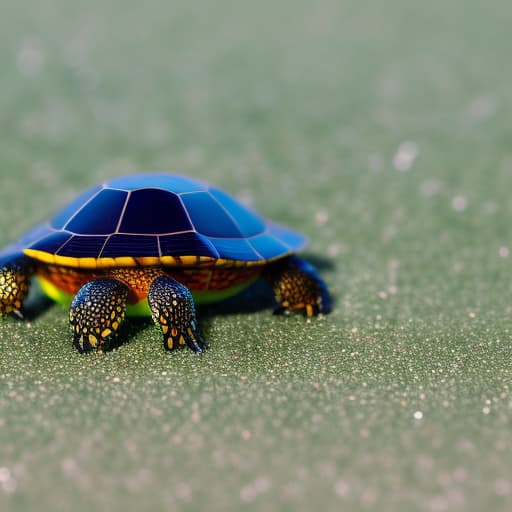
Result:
{"points": [[380, 131]]}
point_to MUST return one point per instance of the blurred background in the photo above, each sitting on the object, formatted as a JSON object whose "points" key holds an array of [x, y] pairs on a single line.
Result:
{"points": [[379, 129]]}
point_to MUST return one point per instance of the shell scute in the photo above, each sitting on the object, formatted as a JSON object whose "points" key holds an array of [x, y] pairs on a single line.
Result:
{"points": [[187, 243], [154, 211], [100, 216], [83, 246], [130, 245], [249, 223], [209, 217], [62, 217], [156, 217]]}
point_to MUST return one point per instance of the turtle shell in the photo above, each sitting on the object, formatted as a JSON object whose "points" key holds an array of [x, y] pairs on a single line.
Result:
{"points": [[151, 219]]}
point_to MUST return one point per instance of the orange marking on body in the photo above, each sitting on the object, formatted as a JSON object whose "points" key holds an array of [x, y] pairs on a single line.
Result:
{"points": [[139, 279]]}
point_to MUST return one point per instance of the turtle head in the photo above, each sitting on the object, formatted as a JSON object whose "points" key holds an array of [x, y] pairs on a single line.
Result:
{"points": [[14, 283]]}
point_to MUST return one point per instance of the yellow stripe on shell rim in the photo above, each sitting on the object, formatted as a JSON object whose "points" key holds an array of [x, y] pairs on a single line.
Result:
{"points": [[144, 261]]}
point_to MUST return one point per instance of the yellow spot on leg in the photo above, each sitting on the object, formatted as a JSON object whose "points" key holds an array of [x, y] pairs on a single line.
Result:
{"points": [[92, 340]]}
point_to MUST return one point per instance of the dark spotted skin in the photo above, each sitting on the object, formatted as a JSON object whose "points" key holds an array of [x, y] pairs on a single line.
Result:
{"points": [[14, 285], [298, 287], [173, 309], [98, 308], [96, 313]]}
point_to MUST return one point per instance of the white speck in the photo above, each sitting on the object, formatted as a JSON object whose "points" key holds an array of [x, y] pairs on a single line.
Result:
{"points": [[392, 289], [460, 474], [116, 380], [418, 415], [7, 482], [341, 488], [406, 154], [5, 475], [458, 267], [431, 188], [354, 329], [30, 58], [383, 295], [459, 203], [251, 491], [483, 107], [183, 491], [321, 217], [486, 410], [504, 252], [502, 487], [471, 314], [246, 198], [69, 467], [335, 249]]}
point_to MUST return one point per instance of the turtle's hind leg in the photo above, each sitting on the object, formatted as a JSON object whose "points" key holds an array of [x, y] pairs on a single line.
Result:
{"points": [[298, 287], [96, 313], [173, 309], [14, 285]]}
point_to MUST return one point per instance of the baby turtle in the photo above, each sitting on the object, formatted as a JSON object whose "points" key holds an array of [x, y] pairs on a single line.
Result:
{"points": [[154, 245]]}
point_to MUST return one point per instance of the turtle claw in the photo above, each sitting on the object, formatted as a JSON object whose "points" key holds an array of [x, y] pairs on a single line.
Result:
{"points": [[18, 313], [308, 310], [88, 343], [194, 340], [173, 309], [177, 338], [14, 285], [96, 313], [298, 288]]}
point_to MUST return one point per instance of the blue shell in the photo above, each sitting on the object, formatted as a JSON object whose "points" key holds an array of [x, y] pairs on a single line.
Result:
{"points": [[158, 215]]}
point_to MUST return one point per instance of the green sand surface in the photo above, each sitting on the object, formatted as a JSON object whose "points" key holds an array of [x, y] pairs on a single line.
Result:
{"points": [[382, 131]]}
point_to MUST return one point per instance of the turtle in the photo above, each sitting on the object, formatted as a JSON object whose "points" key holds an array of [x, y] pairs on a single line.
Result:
{"points": [[156, 244]]}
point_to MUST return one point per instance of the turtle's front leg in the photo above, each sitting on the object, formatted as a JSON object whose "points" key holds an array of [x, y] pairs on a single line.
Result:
{"points": [[298, 287], [14, 285], [173, 309], [96, 313]]}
